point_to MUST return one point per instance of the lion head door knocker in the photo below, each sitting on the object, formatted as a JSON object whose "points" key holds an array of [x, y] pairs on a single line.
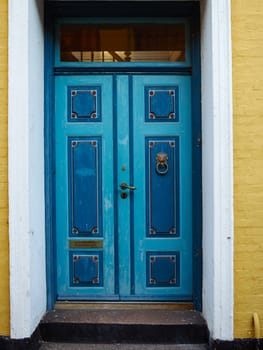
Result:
{"points": [[161, 163]]}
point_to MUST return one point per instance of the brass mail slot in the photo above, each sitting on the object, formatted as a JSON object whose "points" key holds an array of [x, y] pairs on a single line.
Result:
{"points": [[86, 244]]}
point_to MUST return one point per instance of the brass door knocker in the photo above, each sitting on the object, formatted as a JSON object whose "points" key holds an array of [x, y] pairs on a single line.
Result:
{"points": [[161, 163]]}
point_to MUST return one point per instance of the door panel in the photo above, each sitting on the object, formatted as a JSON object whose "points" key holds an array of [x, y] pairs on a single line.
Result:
{"points": [[84, 194], [115, 242], [162, 205]]}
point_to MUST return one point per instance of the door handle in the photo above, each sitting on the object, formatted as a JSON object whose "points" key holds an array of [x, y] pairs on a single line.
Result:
{"points": [[125, 186]]}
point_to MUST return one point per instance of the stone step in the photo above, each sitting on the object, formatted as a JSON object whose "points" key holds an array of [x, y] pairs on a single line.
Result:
{"points": [[74, 346], [124, 326]]}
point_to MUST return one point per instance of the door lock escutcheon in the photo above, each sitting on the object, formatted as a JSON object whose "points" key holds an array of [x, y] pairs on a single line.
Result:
{"points": [[124, 195]]}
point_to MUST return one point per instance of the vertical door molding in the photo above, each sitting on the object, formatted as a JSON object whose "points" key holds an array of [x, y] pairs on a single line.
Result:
{"points": [[26, 166], [217, 160]]}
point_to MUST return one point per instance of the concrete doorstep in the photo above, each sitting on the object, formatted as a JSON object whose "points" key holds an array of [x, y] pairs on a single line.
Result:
{"points": [[123, 329]]}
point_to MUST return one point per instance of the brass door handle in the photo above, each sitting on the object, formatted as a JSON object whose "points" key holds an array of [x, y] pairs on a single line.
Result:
{"points": [[124, 186]]}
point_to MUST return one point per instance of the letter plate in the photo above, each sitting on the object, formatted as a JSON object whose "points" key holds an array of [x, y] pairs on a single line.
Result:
{"points": [[86, 244]]}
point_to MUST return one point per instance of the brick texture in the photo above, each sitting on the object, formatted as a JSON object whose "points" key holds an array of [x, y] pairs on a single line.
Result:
{"points": [[247, 39], [4, 248]]}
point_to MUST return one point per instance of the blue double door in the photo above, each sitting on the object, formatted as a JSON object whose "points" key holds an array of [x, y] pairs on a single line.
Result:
{"points": [[123, 176]]}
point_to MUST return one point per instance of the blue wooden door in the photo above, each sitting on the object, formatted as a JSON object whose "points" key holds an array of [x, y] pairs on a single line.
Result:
{"points": [[123, 187]]}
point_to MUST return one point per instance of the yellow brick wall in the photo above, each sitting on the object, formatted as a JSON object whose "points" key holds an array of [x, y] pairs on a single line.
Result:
{"points": [[4, 280], [247, 39]]}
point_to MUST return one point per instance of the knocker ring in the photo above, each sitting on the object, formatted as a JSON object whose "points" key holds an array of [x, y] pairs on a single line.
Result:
{"points": [[161, 163]]}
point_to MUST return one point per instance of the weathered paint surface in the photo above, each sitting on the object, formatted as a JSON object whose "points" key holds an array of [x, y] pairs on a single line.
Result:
{"points": [[247, 34], [162, 263], [4, 281]]}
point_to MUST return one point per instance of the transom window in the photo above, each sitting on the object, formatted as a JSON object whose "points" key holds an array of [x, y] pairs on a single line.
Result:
{"points": [[129, 42]]}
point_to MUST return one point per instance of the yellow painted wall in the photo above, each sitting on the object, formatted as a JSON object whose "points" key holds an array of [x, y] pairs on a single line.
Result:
{"points": [[247, 39], [4, 280]]}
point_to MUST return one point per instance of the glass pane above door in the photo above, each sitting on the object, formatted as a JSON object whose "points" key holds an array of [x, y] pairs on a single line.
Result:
{"points": [[129, 42]]}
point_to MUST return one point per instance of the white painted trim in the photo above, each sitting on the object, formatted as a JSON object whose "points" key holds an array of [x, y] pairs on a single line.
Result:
{"points": [[26, 170], [218, 232], [26, 166]]}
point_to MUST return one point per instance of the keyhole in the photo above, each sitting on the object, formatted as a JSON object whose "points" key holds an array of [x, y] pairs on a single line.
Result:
{"points": [[124, 195]]}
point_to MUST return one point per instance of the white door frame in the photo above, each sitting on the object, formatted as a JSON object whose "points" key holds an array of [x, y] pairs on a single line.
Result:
{"points": [[26, 166]]}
